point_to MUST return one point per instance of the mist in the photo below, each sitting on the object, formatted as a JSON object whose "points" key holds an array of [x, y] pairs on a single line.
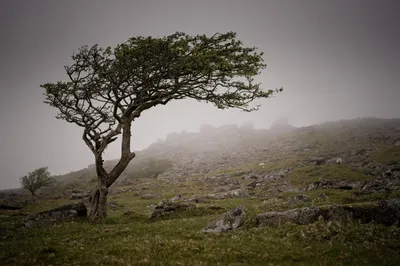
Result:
{"points": [[335, 60]]}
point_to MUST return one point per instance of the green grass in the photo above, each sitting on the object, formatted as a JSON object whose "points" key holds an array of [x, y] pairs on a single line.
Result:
{"points": [[388, 155], [134, 241], [309, 174]]}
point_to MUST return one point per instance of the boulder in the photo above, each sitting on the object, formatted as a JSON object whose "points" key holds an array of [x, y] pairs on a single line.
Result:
{"points": [[237, 193], [79, 195], [150, 196], [298, 216], [318, 161], [335, 184], [386, 212], [227, 221], [166, 207], [65, 212], [12, 204]]}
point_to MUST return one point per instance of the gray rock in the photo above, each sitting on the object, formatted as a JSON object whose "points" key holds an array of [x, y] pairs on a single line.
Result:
{"points": [[298, 216], [386, 212], [227, 221], [12, 204], [150, 196], [167, 207], [62, 213]]}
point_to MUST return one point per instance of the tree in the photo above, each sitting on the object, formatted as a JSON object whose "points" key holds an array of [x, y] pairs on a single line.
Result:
{"points": [[108, 88], [37, 179]]}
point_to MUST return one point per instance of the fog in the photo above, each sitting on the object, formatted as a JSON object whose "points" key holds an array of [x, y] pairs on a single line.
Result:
{"points": [[335, 60]]}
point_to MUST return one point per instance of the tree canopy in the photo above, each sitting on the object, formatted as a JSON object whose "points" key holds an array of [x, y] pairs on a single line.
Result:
{"points": [[37, 179], [108, 88]]}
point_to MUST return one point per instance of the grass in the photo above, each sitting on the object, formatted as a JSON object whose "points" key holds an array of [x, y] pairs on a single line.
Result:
{"points": [[134, 241], [309, 174], [388, 155]]}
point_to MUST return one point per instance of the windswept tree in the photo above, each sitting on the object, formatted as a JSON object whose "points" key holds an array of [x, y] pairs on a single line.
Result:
{"points": [[108, 88], [37, 179]]}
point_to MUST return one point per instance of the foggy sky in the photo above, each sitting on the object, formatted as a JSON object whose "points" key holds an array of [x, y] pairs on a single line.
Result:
{"points": [[335, 59]]}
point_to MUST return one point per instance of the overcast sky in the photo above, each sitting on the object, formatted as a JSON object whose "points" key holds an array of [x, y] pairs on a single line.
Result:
{"points": [[336, 60]]}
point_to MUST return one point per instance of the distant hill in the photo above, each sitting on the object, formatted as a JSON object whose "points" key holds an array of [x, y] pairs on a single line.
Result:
{"points": [[217, 148]]}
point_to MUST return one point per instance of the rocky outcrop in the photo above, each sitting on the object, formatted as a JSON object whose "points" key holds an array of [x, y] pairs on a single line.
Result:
{"points": [[237, 193], [386, 212], [63, 213], [227, 221], [12, 204], [167, 207], [335, 184]]}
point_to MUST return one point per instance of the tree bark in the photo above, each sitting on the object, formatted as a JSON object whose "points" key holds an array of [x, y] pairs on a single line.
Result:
{"points": [[98, 201]]}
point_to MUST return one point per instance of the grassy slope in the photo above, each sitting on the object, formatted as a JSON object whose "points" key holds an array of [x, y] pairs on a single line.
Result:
{"points": [[177, 240]]}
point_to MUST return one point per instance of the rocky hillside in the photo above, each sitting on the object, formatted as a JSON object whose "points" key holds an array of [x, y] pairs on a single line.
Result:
{"points": [[231, 147]]}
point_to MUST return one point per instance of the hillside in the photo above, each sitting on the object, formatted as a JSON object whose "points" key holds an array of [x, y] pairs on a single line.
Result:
{"points": [[327, 194], [212, 149]]}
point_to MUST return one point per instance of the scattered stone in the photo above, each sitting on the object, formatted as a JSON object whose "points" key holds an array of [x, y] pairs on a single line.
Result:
{"points": [[227, 221], [62, 213]]}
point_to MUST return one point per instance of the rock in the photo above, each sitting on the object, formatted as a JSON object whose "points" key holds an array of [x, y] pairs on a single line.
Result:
{"points": [[380, 185], [323, 196], [150, 196], [252, 184], [114, 205], [334, 161], [196, 200], [386, 212], [237, 193], [62, 213], [335, 184], [298, 216], [12, 204], [318, 160], [167, 207], [302, 198], [79, 195], [176, 198], [227, 221]]}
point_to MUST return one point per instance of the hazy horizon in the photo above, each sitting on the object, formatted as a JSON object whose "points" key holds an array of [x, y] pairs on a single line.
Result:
{"points": [[335, 59]]}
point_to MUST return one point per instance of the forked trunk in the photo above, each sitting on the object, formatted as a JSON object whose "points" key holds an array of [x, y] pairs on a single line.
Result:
{"points": [[98, 209], [98, 201]]}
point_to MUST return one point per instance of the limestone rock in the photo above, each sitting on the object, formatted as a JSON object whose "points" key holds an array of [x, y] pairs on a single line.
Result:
{"points": [[227, 221]]}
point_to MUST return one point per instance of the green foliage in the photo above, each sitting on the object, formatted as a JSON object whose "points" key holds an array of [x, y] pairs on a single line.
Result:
{"points": [[37, 179]]}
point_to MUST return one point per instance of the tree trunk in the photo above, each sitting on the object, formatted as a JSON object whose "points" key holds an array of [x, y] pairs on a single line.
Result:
{"points": [[98, 201]]}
